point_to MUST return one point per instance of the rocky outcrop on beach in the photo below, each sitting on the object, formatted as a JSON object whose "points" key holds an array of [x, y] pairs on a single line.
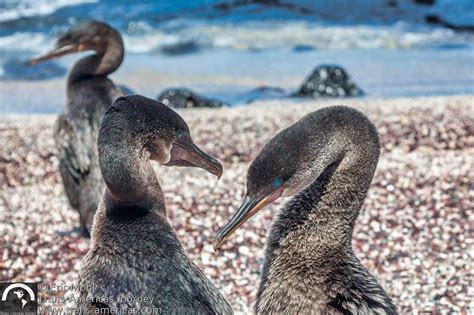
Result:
{"points": [[329, 81], [185, 98]]}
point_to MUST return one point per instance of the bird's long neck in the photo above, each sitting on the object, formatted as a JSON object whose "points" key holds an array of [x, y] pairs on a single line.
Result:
{"points": [[314, 230], [128, 175], [102, 63]]}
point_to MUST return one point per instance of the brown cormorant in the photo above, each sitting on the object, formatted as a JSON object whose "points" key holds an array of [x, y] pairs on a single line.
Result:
{"points": [[89, 93], [327, 160], [136, 263]]}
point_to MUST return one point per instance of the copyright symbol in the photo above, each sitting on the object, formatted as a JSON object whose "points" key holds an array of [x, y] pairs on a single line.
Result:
{"points": [[42, 287]]}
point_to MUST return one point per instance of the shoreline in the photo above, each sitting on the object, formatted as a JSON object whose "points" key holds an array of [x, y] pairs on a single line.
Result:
{"points": [[229, 75]]}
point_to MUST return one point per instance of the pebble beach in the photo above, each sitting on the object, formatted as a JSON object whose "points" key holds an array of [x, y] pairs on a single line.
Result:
{"points": [[414, 232]]}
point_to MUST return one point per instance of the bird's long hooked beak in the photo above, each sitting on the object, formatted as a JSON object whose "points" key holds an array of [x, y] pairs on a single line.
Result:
{"points": [[56, 52], [249, 207], [186, 153]]}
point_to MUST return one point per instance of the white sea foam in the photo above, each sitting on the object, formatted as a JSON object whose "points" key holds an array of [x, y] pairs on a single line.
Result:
{"points": [[35, 42], [265, 35], [148, 42], [257, 36], [27, 8], [268, 35]]}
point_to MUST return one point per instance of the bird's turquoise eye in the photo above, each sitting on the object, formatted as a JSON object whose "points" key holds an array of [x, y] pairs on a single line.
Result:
{"points": [[179, 133], [277, 183]]}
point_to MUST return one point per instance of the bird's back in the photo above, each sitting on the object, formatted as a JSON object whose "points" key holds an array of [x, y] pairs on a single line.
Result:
{"points": [[356, 291]]}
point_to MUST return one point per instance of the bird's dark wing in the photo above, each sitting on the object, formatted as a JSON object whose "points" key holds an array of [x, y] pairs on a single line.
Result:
{"points": [[74, 157], [360, 293]]}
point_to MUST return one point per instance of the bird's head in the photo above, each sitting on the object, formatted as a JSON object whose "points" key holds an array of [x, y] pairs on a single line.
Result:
{"points": [[297, 156], [90, 35], [159, 133]]}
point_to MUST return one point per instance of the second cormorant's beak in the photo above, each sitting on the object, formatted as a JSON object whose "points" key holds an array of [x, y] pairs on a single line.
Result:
{"points": [[186, 153], [249, 207], [58, 51]]}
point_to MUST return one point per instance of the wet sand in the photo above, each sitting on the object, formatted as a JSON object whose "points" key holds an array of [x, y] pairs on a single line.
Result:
{"points": [[413, 232]]}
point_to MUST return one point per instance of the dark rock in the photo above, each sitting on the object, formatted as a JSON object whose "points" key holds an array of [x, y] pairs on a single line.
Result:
{"points": [[180, 48], [185, 98], [329, 81], [16, 69], [434, 19], [424, 2]]}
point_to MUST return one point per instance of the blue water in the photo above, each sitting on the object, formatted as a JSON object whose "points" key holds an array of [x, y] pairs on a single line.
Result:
{"points": [[227, 49]]}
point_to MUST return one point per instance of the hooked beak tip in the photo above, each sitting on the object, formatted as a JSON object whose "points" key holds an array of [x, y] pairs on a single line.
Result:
{"points": [[213, 166], [216, 246], [219, 172], [219, 239]]}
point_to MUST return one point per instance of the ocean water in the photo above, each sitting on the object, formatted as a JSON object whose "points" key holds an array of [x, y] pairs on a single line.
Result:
{"points": [[227, 49]]}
